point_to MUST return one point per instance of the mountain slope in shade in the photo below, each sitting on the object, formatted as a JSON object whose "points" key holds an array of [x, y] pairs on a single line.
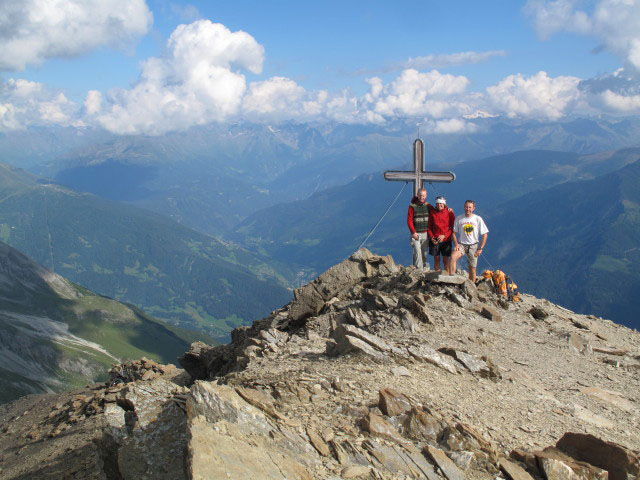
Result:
{"points": [[174, 273], [55, 335], [328, 226], [585, 233]]}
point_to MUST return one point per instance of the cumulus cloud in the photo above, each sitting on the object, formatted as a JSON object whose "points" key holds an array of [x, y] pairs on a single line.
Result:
{"points": [[538, 96], [24, 103], [616, 23], [449, 126], [33, 30], [199, 80], [415, 93], [280, 98], [620, 103]]}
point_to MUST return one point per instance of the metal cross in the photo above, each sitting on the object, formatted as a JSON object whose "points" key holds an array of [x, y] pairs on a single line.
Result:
{"points": [[419, 176]]}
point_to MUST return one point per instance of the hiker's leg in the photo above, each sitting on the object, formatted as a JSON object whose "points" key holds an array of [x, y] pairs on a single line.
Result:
{"points": [[417, 252], [424, 246], [444, 249], [473, 261], [436, 263], [472, 274], [453, 261]]}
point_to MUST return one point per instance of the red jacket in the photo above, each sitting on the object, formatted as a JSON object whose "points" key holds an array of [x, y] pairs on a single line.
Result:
{"points": [[441, 223]]}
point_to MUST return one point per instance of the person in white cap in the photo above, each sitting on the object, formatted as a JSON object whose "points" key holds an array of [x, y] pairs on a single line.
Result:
{"points": [[471, 238], [440, 231]]}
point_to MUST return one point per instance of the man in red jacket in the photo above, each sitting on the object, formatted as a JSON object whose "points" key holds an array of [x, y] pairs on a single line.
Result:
{"points": [[440, 229], [417, 221]]}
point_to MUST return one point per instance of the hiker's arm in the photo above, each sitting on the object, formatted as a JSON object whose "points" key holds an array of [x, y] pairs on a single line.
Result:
{"points": [[449, 233], [410, 223], [483, 242], [430, 225]]}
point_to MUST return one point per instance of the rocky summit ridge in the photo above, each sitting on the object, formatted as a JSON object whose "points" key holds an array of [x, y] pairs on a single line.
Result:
{"points": [[373, 371]]}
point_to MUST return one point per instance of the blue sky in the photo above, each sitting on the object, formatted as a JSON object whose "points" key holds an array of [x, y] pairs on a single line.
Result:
{"points": [[164, 65]]}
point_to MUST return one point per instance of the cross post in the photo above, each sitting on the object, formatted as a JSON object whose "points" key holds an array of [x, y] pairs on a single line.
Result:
{"points": [[419, 176]]}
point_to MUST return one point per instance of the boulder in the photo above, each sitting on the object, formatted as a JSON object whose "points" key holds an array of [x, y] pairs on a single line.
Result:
{"points": [[538, 312], [619, 461], [377, 426], [422, 426], [392, 403]]}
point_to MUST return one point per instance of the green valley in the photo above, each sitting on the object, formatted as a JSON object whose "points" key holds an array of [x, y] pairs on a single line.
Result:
{"points": [[187, 278]]}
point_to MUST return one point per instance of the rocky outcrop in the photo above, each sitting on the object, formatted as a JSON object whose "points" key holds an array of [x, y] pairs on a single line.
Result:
{"points": [[373, 371]]}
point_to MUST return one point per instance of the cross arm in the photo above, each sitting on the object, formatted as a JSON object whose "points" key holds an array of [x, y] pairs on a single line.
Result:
{"points": [[438, 177]]}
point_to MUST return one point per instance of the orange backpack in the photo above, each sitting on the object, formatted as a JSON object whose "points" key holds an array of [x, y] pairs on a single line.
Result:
{"points": [[503, 284]]}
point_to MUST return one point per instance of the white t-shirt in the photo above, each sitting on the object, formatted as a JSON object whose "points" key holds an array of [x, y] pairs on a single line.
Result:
{"points": [[470, 229]]}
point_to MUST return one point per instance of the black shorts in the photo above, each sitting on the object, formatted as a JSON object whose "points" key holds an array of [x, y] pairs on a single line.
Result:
{"points": [[440, 249]]}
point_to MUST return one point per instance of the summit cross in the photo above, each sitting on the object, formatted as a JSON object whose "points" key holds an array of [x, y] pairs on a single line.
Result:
{"points": [[419, 176]]}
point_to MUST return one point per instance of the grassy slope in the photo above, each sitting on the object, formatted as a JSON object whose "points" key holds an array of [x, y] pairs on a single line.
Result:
{"points": [[38, 361]]}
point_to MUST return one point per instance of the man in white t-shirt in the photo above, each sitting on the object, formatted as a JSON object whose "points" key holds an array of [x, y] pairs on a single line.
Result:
{"points": [[468, 230]]}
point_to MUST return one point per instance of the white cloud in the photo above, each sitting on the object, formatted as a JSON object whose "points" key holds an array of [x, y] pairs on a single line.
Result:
{"points": [[416, 94], [24, 103], [8, 120], [451, 59], [33, 30], [198, 81], [93, 102], [620, 103], [435, 61], [614, 22], [278, 94], [449, 126], [538, 96]]}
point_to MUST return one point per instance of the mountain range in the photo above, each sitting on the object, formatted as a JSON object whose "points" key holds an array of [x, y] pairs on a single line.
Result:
{"points": [[282, 191], [185, 277], [56, 335], [211, 177]]}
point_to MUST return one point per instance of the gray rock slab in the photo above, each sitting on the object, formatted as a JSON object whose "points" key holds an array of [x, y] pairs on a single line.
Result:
{"points": [[396, 460], [221, 451], [450, 469], [438, 277], [430, 355], [147, 399], [474, 364], [513, 470], [219, 402], [489, 313]]}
